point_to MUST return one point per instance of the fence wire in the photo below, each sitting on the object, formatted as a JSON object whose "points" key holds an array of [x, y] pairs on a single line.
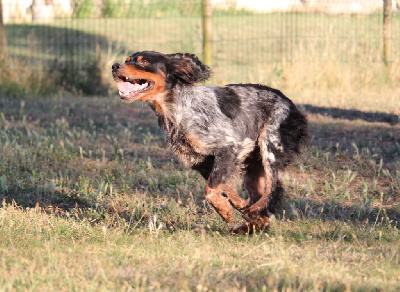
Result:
{"points": [[246, 43]]}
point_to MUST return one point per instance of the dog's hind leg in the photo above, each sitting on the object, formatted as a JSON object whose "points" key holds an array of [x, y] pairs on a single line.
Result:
{"points": [[256, 214], [257, 184], [261, 180], [254, 176], [268, 184], [263, 176]]}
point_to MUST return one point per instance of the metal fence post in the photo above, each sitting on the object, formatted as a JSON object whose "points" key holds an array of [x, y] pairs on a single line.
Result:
{"points": [[3, 37], [207, 32], [387, 32]]}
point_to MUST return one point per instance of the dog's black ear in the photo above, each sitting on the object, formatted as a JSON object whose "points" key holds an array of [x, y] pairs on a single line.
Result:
{"points": [[188, 68]]}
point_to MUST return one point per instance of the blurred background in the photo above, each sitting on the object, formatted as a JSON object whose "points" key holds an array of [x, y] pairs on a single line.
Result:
{"points": [[52, 46]]}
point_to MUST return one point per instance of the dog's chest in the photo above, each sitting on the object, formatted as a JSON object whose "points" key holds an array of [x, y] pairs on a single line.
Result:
{"points": [[180, 145]]}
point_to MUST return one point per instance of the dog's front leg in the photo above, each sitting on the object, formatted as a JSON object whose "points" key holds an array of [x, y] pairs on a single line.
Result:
{"points": [[224, 167], [236, 201], [219, 202]]}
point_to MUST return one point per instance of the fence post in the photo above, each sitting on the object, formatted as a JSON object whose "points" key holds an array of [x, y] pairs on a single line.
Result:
{"points": [[387, 32], [3, 37], [207, 32]]}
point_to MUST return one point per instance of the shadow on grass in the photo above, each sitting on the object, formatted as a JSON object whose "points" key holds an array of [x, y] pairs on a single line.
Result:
{"points": [[358, 213], [50, 43], [45, 59], [351, 115]]}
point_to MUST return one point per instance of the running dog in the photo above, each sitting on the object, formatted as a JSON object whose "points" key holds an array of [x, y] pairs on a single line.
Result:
{"points": [[225, 132]]}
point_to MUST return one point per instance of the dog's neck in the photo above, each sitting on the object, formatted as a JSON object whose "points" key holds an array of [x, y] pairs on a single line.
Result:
{"points": [[163, 104]]}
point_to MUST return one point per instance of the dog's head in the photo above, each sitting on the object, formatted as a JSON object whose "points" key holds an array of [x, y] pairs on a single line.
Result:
{"points": [[145, 75]]}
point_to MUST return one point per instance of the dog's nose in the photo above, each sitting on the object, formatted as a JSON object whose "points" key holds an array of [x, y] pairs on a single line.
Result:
{"points": [[116, 66]]}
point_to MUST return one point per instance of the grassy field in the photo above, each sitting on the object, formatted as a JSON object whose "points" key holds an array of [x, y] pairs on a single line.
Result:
{"points": [[93, 199]]}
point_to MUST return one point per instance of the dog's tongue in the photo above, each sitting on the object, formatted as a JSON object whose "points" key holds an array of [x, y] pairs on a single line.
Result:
{"points": [[126, 87]]}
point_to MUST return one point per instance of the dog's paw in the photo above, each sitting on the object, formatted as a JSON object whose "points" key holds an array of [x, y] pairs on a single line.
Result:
{"points": [[262, 223], [251, 215]]}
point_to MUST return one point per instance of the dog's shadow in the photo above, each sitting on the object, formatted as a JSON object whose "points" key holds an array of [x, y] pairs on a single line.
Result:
{"points": [[349, 114], [356, 213]]}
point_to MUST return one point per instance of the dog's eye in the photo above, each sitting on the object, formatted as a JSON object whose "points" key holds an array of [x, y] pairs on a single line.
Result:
{"points": [[143, 63]]}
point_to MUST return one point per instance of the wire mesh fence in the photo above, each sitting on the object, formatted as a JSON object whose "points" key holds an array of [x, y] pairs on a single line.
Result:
{"points": [[253, 41]]}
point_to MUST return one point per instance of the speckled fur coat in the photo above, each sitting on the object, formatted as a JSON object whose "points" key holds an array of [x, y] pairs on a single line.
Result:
{"points": [[247, 129]]}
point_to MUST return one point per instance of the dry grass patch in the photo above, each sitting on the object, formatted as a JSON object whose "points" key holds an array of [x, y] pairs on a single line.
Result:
{"points": [[93, 199]]}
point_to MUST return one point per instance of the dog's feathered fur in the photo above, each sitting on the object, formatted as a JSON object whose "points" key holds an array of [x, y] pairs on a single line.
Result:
{"points": [[249, 129]]}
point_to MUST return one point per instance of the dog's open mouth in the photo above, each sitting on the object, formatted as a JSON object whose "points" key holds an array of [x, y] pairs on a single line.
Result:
{"points": [[130, 88]]}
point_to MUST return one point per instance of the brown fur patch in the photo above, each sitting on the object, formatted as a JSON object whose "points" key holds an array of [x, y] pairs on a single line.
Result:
{"points": [[236, 201], [261, 204], [219, 203], [197, 143], [255, 184], [184, 68], [160, 106], [128, 59], [254, 178]]}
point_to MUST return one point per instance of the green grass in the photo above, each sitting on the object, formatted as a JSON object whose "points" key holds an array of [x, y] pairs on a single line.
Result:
{"points": [[93, 199]]}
